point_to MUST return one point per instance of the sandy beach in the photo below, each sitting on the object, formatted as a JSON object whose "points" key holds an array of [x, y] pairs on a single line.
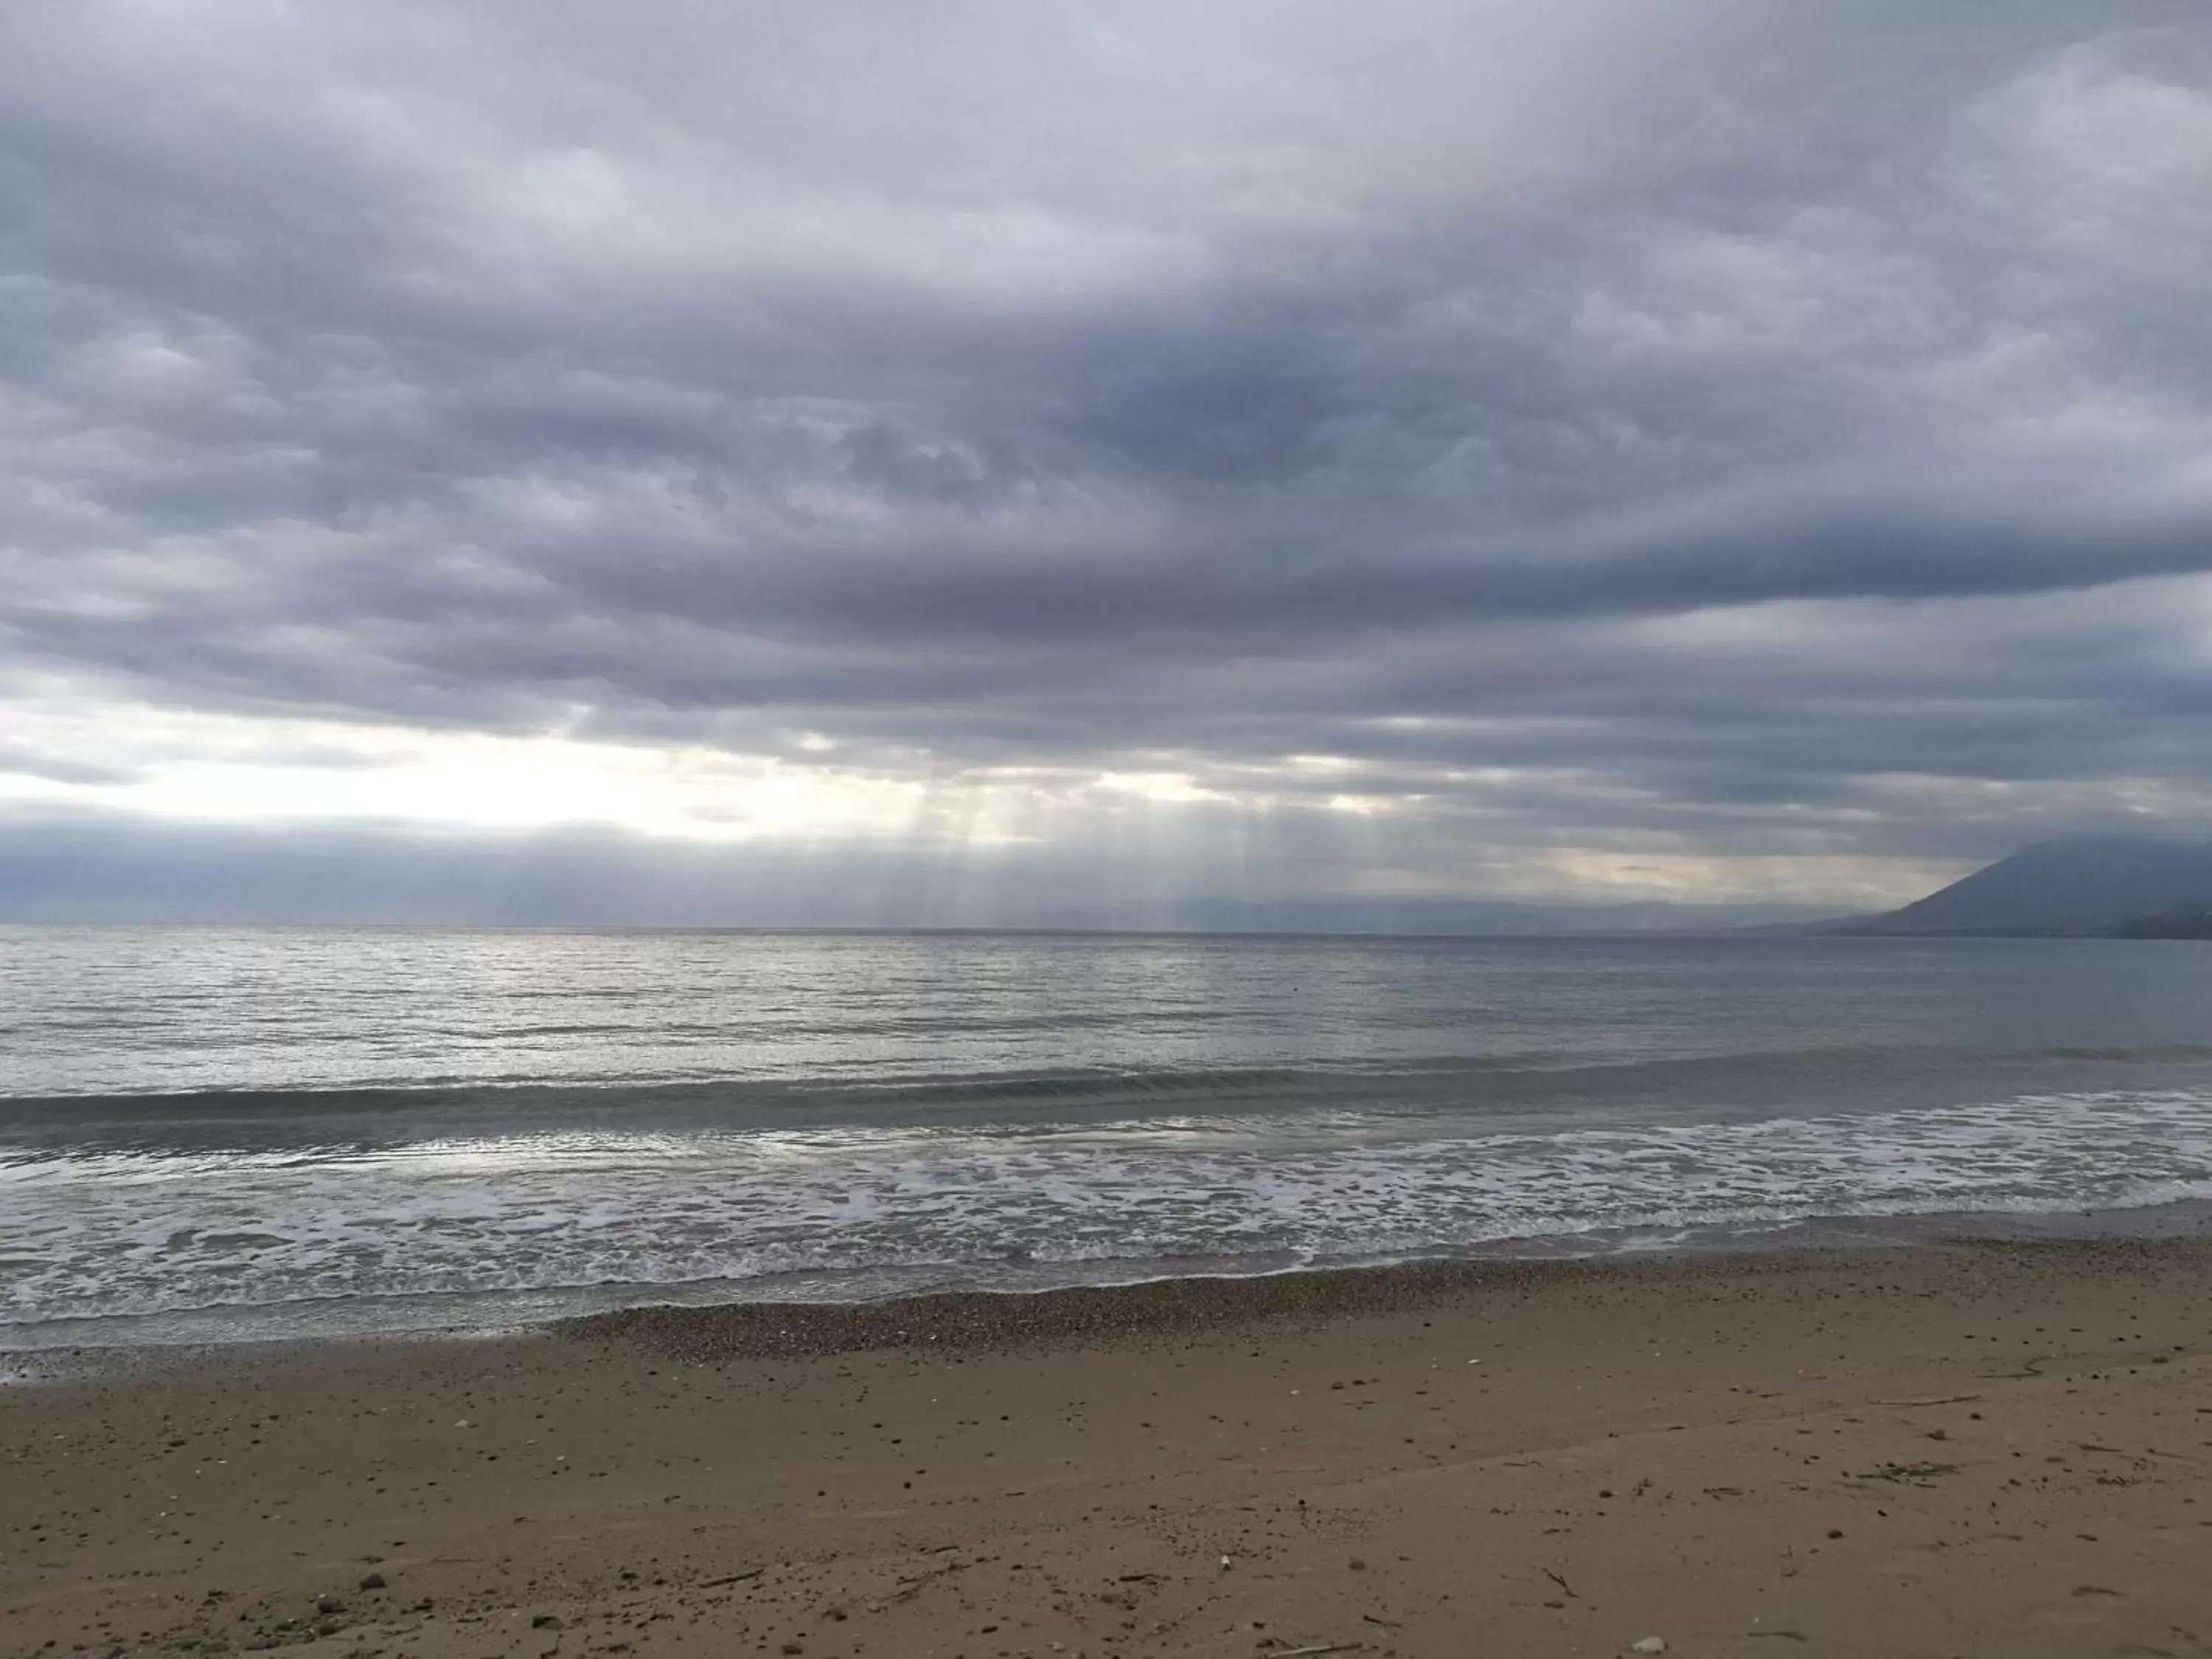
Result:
{"points": [[1951, 1450]]}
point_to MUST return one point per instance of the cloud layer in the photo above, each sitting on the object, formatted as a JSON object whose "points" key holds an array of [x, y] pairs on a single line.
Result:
{"points": [[1722, 449]]}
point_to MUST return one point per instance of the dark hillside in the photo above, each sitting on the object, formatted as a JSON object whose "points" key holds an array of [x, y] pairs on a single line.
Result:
{"points": [[2088, 887]]}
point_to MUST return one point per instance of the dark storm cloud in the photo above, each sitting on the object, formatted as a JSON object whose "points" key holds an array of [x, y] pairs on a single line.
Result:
{"points": [[1709, 415]]}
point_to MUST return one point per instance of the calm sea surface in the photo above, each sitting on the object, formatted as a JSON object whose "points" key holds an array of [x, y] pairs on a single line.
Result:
{"points": [[210, 1134]]}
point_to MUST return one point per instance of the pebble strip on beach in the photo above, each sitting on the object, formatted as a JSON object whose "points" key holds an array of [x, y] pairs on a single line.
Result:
{"points": [[988, 1320], [992, 1320]]}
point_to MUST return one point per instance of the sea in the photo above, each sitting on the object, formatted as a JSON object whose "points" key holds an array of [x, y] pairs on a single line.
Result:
{"points": [[217, 1135]]}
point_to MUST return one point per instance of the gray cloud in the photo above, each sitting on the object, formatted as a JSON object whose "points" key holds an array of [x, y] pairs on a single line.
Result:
{"points": [[1728, 430], [29, 763]]}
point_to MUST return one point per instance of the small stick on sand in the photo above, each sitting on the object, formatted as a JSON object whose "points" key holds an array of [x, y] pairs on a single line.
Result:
{"points": [[729, 1578]]}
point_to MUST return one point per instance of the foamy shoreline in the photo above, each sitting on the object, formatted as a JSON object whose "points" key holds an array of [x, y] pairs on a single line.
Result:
{"points": [[722, 1321]]}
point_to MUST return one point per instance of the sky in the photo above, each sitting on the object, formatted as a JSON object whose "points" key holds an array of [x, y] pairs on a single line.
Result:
{"points": [[933, 461]]}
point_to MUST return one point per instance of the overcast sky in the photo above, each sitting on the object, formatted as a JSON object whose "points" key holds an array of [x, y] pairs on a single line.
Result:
{"points": [[911, 461]]}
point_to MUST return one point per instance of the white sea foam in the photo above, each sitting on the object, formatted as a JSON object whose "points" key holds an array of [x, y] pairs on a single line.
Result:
{"points": [[136, 1234]]}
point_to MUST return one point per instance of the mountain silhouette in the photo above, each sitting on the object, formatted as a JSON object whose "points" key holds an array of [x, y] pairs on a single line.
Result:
{"points": [[2091, 886]]}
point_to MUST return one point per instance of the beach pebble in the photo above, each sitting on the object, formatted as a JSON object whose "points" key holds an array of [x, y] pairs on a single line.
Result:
{"points": [[1651, 1644]]}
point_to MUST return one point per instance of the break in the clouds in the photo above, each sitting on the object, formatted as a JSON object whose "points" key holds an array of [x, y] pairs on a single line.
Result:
{"points": [[1747, 449]]}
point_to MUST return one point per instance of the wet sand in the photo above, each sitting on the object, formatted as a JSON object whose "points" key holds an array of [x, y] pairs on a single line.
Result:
{"points": [[1951, 1450]]}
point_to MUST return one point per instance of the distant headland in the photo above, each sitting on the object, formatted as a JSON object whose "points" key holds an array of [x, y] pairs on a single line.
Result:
{"points": [[2107, 887]]}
